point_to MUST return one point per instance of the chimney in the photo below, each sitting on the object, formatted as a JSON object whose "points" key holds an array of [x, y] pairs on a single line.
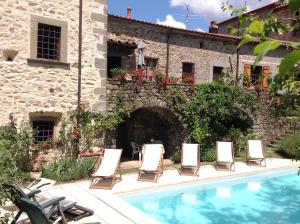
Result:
{"points": [[129, 13], [213, 28]]}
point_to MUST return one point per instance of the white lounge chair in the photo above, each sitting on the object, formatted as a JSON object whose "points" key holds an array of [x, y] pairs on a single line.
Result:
{"points": [[255, 152], [152, 162], [190, 160], [109, 168], [225, 155]]}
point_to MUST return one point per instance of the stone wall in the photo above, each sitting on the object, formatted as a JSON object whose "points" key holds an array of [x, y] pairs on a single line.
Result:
{"points": [[203, 49], [30, 86], [150, 95], [266, 127], [283, 12], [136, 96]]}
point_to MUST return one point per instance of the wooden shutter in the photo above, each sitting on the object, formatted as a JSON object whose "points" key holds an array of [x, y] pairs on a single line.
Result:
{"points": [[247, 74], [266, 74]]}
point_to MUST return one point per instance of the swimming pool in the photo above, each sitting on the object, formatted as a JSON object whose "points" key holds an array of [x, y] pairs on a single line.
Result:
{"points": [[266, 198]]}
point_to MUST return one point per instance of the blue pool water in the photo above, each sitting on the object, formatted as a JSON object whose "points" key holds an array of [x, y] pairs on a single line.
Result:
{"points": [[272, 198]]}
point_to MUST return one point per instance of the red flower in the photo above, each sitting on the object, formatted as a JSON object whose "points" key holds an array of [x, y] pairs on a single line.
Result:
{"points": [[76, 133], [164, 83]]}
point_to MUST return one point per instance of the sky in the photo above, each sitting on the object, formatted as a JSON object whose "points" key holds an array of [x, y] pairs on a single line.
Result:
{"points": [[174, 12]]}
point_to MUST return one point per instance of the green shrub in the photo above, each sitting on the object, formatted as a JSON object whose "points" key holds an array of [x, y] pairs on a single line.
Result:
{"points": [[290, 146], [67, 169], [216, 111], [208, 155], [176, 157]]}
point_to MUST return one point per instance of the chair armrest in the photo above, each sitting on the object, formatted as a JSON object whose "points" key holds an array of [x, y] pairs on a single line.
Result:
{"points": [[42, 185], [32, 193], [52, 202]]}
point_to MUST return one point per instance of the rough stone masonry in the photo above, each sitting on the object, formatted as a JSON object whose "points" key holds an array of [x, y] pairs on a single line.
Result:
{"points": [[30, 86]]}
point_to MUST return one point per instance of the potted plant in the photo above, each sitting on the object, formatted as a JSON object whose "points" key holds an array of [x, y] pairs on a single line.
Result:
{"points": [[173, 80], [188, 79], [119, 73]]}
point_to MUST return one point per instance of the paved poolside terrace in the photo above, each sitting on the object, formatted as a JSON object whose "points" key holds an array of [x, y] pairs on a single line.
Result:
{"points": [[109, 208]]}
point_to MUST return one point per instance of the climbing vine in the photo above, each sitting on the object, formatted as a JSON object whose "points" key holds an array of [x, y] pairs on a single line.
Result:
{"points": [[94, 126]]}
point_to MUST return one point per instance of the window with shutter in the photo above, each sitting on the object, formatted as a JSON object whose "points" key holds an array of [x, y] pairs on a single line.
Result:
{"points": [[266, 75]]}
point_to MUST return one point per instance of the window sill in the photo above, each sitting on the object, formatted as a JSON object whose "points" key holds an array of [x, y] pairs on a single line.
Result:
{"points": [[45, 62]]}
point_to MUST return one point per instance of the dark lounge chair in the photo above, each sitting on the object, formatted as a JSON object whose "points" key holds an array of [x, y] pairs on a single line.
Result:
{"points": [[37, 214], [53, 207]]}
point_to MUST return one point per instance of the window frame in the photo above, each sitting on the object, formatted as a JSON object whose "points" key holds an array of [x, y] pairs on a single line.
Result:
{"points": [[257, 78], [35, 20], [37, 135], [149, 59], [186, 74], [213, 74]]}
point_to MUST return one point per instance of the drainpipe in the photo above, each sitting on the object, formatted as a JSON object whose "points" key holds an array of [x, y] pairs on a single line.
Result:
{"points": [[237, 57], [168, 53], [79, 76], [237, 64]]}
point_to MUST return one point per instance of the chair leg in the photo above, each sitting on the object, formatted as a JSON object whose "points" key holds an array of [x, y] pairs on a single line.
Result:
{"points": [[64, 221], [16, 217]]}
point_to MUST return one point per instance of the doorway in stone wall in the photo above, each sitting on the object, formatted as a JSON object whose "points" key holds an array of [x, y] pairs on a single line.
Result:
{"points": [[146, 124]]}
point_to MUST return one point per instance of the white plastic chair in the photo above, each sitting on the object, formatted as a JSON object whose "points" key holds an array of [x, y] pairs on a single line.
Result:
{"points": [[136, 149]]}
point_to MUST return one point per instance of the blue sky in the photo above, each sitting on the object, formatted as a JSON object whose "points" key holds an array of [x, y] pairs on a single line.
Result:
{"points": [[173, 12]]}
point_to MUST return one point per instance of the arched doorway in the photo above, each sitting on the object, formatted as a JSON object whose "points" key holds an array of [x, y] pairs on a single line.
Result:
{"points": [[149, 123]]}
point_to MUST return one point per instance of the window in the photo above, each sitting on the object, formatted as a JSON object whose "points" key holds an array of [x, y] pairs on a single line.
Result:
{"points": [[43, 130], [188, 73], [49, 38], [256, 74], [217, 73], [113, 62], [151, 65]]}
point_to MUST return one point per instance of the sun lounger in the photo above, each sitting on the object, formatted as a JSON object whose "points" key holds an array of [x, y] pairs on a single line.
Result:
{"points": [[108, 171], [225, 155], [190, 160], [255, 152], [37, 214], [53, 207], [152, 162]]}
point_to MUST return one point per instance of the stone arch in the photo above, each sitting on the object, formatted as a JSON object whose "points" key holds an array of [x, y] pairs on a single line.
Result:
{"points": [[154, 122]]}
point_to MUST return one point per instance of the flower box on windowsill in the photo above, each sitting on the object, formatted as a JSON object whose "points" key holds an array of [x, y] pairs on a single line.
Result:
{"points": [[188, 79]]}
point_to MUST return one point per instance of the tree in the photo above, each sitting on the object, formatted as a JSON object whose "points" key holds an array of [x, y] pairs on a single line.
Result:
{"points": [[257, 30]]}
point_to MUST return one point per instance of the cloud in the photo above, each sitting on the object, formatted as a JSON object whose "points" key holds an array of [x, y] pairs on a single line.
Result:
{"points": [[170, 21], [211, 9], [199, 30]]}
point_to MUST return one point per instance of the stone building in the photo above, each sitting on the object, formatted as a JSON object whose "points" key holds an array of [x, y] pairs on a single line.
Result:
{"points": [[39, 55], [282, 10], [39, 60], [176, 53], [181, 53]]}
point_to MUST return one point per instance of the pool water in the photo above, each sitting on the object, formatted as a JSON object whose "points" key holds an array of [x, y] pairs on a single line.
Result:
{"points": [[272, 198]]}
